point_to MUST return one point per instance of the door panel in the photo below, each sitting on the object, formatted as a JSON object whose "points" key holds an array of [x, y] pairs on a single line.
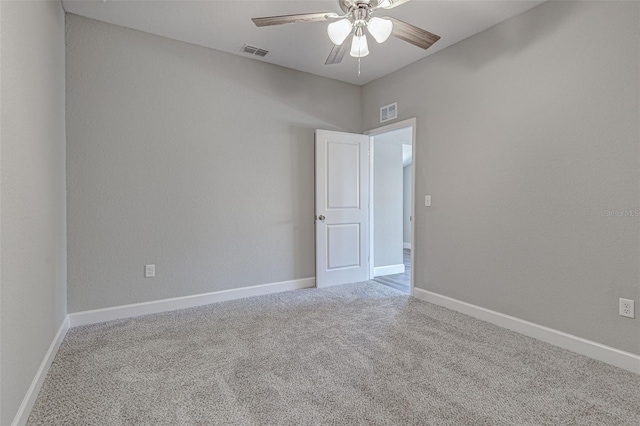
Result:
{"points": [[342, 208], [343, 183], [343, 246]]}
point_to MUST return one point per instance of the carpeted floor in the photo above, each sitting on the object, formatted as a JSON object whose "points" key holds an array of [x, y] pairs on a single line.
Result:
{"points": [[355, 354]]}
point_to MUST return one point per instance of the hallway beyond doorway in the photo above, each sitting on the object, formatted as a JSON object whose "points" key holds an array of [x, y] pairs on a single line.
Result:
{"points": [[402, 281]]}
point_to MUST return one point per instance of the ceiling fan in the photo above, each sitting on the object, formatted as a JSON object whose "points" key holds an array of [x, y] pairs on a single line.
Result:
{"points": [[358, 16]]}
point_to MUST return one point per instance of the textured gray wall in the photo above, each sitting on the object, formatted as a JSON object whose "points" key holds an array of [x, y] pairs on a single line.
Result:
{"points": [[406, 203], [197, 161], [527, 134], [33, 225], [387, 202]]}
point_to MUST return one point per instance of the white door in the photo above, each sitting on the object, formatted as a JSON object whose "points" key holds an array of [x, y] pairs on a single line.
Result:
{"points": [[342, 208]]}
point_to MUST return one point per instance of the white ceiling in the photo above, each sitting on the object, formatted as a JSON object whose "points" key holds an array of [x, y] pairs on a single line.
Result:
{"points": [[227, 26]]}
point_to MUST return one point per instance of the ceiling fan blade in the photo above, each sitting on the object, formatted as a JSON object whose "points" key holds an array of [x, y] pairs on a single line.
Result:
{"points": [[396, 3], [337, 53], [412, 34], [294, 19]]}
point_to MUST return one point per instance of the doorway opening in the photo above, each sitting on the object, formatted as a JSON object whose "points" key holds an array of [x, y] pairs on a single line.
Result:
{"points": [[391, 205], [353, 242]]}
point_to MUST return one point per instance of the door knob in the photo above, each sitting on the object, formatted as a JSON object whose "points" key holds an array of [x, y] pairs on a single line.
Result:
{"points": [[321, 217]]}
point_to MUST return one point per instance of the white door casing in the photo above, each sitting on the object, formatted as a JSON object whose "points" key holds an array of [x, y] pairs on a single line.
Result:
{"points": [[384, 129], [342, 208]]}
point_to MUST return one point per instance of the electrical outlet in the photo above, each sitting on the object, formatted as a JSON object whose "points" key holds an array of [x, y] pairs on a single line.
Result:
{"points": [[627, 308], [149, 271]]}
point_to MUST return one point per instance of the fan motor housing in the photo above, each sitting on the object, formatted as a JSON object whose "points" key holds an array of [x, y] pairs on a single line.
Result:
{"points": [[348, 5]]}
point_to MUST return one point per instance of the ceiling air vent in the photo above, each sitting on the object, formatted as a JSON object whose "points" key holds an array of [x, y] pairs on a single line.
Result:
{"points": [[252, 50]]}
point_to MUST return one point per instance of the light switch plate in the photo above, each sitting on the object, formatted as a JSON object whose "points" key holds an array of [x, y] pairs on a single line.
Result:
{"points": [[427, 200], [149, 271]]}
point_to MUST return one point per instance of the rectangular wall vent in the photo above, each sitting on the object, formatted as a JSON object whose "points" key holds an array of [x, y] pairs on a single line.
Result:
{"points": [[252, 50], [389, 112]]}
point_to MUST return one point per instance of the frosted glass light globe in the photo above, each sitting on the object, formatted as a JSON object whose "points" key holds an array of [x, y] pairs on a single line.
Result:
{"points": [[339, 30], [380, 29], [359, 46]]}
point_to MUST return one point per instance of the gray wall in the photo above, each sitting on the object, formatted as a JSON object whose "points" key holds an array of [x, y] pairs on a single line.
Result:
{"points": [[197, 161], [387, 202], [406, 203], [527, 134], [33, 226]]}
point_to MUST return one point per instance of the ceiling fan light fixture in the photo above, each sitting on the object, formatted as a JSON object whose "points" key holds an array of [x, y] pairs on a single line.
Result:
{"points": [[355, 22], [339, 30], [359, 46], [380, 29]]}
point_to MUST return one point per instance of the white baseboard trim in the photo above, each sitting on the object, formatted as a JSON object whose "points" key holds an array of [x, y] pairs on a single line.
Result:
{"points": [[32, 393], [379, 271], [128, 311], [406, 245], [607, 354]]}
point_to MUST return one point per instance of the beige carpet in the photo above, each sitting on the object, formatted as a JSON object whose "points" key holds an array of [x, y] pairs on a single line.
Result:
{"points": [[356, 354]]}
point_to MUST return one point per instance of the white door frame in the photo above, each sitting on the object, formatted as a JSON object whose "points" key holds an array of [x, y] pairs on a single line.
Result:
{"points": [[411, 122]]}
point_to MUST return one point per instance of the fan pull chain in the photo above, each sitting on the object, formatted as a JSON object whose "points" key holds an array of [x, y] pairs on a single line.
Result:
{"points": [[358, 67]]}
